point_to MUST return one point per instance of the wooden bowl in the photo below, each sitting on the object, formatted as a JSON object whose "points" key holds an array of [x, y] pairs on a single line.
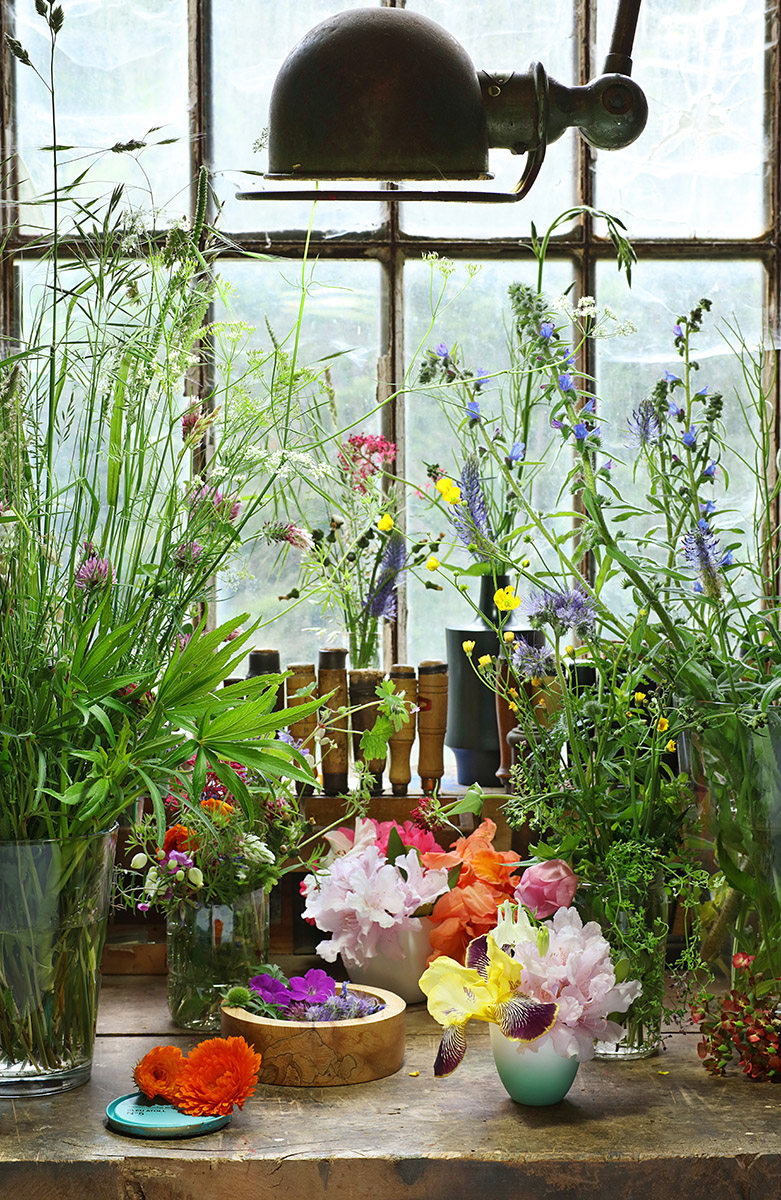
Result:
{"points": [[325, 1053]]}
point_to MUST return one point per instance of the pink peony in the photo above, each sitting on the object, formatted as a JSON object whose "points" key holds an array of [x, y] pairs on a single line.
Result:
{"points": [[546, 887]]}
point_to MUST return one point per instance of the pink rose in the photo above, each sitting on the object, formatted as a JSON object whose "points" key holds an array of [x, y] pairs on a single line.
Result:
{"points": [[546, 887]]}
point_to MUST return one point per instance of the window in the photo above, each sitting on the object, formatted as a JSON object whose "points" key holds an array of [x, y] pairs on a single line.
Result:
{"points": [[698, 192]]}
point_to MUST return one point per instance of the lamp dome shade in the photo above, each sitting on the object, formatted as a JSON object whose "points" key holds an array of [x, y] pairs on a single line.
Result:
{"points": [[377, 93]]}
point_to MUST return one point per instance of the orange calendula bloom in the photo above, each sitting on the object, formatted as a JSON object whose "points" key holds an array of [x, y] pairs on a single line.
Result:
{"points": [[218, 1074], [180, 838], [157, 1072], [217, 807]]}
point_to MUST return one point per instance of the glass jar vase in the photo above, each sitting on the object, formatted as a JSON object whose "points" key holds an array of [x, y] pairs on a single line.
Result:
{"points": [[212, 947], [54, 901]]}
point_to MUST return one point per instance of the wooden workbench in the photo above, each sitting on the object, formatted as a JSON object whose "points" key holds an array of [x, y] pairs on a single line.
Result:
{"points": [[659, 1128]]}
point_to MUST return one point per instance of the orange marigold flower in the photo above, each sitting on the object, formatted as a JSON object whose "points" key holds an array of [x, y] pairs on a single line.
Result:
{"points": [[180, 838], [217, 1074], [157, 1072], [217, 807]]}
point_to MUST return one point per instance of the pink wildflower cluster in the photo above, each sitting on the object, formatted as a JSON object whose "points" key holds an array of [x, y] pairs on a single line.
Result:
{"points": [[284, 531], [209, 503], [367, 903], [362, 456], [94, 572], [411, 835], [187, 556], [568, 963]]}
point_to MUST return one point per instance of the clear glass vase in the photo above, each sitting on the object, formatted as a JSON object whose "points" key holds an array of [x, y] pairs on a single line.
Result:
{"points": [[54, 901], [212, 947], [643, 914]]}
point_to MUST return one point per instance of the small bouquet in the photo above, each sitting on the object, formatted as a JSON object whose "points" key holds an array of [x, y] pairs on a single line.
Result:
{"points": [[216, 1075], [314, 996], [537, 981], [744, 1025], [375, 888]]}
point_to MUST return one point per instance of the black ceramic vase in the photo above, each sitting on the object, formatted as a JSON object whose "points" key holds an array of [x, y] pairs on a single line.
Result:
{"points": [[472, 732]]}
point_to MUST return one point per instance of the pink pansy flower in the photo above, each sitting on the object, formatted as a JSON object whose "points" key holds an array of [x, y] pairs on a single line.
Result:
{"points": [[547, 886]]}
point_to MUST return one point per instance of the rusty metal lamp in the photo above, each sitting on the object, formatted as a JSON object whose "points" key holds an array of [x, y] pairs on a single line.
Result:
{"points": [[387, 94]]}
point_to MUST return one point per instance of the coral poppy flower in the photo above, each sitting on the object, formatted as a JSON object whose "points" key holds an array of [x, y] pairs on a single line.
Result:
{"points": [[179, 838], [157, 1072], [217, 1074]]}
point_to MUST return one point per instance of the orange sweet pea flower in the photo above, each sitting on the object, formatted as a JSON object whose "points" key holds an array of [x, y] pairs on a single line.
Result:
{"points": [[217, 1074], [157, 1072], [470, 909]]}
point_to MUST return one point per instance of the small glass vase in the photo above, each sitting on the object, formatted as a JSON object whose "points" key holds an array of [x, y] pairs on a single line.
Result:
{"points": [[54, 901], [532, 1076], [649, 908], [398, 975], [212, 947]]}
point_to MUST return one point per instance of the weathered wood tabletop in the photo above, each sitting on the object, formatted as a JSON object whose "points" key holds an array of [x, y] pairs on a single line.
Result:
{"points": [[657, 1128]]}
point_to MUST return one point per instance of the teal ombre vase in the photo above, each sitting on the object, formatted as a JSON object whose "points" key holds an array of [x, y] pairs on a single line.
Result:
{"points": [[534, 1077]]}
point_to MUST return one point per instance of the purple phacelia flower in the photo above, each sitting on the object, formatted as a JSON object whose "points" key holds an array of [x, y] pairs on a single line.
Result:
{"points": [[531, 662], [563, 610]]}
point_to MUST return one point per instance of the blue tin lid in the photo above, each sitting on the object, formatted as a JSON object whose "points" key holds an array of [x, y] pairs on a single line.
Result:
{"points": [[138, 1116]]}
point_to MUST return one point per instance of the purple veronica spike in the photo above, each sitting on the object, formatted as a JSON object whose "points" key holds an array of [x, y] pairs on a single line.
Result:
{"points": [[644, 424], [525, 1020], [703, 554], [470, 518], [477, 955], [451, 1051], [382, 601]]}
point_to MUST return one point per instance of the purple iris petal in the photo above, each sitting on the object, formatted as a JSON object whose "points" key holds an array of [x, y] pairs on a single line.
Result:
{"points": [[524, 1019], [271, 990], [452, 1049], [315, 986]]}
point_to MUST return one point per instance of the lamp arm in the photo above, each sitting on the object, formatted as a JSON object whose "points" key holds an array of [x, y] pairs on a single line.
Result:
{"points": [[619, 58]]}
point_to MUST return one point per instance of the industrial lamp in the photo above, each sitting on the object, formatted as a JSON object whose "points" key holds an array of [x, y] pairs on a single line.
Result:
{"points": [[387, 94]]}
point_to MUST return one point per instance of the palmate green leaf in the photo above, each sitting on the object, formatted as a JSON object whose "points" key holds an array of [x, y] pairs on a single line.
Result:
{"points": [[374, 741], [275, 760]]}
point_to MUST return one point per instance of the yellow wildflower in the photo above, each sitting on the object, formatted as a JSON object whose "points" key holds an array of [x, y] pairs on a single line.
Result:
{"points": [[670, 747], [514, 693], [525, 562], [536, 681], [640, 697], [432, 562], [484, 660], [505, 599], [513, 707], [448, 490], [385, 523], [570, 650], [663, 724], [467, 647], [508, 635]]}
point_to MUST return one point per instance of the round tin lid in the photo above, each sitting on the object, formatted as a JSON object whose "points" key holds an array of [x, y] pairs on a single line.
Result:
{"points": [[138, 1116]]}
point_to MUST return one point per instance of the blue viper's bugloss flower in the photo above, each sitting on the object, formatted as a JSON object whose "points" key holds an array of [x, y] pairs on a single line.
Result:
{"points": [[546, 330], [707, 508], [703, 554], [515, 453], [644, 424], [382, 601], [677, 331], [563, 610], [690, 437], [702, 392], [710, 470], [473, 410], [670, 378], [674, 410], [442, 350], [565, 382], [480, 378], [582, 431], [556, 423]]}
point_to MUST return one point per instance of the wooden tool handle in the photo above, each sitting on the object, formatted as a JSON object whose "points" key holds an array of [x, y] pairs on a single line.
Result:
{"points": [[432, 722], [401, 742], [332, 677]]}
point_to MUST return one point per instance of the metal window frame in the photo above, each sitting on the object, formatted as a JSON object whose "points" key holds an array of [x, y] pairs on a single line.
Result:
{"points": [[391, 248]]}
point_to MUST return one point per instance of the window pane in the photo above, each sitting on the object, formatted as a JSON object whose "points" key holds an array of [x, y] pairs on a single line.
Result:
{"points": [[478, 322], [341, 317], [249, 45], [502, 36], [697, 169], [121, 70], [628, 368]]}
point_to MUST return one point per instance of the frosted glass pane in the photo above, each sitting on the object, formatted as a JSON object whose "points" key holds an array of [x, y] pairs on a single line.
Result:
{"points": [[249, 45], [503, 35], [697, 169], [121, 69], [477, 321], [628, 368], [341, 317]]}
